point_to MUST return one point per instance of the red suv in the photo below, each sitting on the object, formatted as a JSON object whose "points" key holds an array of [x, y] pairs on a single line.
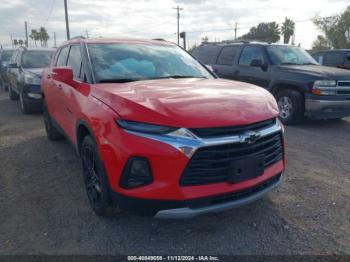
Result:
{"points": [[157, 132]]}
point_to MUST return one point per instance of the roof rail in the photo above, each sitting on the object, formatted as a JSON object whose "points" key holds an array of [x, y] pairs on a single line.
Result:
{"points": [[227, 42], [77, 37]]}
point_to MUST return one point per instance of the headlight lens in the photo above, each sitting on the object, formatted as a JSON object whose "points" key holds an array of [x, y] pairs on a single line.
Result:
{"points": [[31, 79], [144, 127], [324, 87], [325, 83]]}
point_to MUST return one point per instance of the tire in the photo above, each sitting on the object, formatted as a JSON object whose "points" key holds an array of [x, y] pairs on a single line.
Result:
{"points": [[95, 178], [12, 94], [24, 105], [51, 131], [291, 106]]}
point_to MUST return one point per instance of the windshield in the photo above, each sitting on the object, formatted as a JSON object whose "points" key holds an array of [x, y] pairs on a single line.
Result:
{"points": [[131, 62], [284, 55], [36, 59], [6, 55]]}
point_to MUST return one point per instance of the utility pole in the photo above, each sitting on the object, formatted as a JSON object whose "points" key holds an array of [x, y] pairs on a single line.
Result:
{"points": [[87, 33], [178, 9], [54, 39], [66, 16], [26, 30], [235, 30], [11, 40]]}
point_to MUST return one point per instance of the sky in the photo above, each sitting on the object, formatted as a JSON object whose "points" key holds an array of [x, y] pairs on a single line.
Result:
{"points": [[157, 18]]}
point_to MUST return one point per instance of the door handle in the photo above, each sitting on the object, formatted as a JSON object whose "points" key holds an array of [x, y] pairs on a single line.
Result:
{"points": [[48, 76], [59, 87], [236, 72]]}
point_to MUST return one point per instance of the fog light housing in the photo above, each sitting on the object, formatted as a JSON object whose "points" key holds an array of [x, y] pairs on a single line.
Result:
{"points": [[137, 172]]}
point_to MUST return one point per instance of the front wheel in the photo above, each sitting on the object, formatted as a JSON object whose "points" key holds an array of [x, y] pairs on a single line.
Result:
{"points": [[12, 94], [95, 178], [25, 107], [291, 106]]}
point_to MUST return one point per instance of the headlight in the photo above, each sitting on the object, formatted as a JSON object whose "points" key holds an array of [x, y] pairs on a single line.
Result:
{"points": [[325, 83], [145, 128], [324, 87], [31, 79]]}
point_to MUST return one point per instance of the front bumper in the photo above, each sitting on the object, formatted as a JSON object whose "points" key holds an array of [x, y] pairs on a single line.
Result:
{"points": [[326, 109], [177, 209]]}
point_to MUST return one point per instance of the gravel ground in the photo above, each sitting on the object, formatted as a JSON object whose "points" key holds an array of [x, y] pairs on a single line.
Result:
{"points": [[44, 209]]}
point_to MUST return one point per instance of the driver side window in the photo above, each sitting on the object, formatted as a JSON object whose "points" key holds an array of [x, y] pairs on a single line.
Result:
{"points": [[250, 53]]}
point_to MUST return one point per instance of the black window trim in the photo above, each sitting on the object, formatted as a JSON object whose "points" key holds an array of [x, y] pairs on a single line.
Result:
{"points": [[61, 48]]}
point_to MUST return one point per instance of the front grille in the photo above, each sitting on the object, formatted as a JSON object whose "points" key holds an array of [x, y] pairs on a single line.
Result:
{"points": [[220, 199], [343, 92], [230, 130], [211, 164], [343, 83]]}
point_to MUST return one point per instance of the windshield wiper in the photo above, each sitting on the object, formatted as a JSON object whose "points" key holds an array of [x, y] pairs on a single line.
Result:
{"points": [[289, 63], [176, 77], [118, 80]]}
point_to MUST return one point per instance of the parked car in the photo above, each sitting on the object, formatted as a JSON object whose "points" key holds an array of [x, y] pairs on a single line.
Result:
{"points": [[337, 58], [157, 132], [300, 85], [24, 74], [5, 56]]}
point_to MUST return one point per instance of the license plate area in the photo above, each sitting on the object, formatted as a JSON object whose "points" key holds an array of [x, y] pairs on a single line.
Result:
{"points": [[246, 168]]}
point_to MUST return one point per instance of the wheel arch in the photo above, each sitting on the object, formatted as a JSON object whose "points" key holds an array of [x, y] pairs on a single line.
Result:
{"points": [[82, 129]]}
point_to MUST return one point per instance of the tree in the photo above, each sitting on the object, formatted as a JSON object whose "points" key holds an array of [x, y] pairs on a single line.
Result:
{"points": [[335, 28], [320, 44], [20, 42], [266, 32], [43, 36], [287, 29], [205, 39], [15, 42], [34, 35]]}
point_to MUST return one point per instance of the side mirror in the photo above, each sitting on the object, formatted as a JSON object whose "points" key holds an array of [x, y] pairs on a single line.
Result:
{"points": [[13, 65], [63, 74], [258, 63]]}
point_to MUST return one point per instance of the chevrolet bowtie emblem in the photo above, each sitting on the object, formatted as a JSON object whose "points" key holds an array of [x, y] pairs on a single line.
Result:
{"points": [[249, 137]]}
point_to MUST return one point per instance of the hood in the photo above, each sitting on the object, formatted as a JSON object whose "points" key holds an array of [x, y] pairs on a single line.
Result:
{"points": [[188, 102], [323, 72], [35, 71]]}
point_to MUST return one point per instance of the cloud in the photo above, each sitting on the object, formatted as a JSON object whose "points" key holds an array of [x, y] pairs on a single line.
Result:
{"points": [[157, 18]]}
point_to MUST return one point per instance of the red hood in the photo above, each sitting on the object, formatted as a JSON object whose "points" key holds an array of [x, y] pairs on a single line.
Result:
{"points": [[188, 102]]}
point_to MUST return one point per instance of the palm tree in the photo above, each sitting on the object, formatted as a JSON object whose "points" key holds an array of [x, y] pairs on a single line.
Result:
{"points": [[34, 36], [43, 36], [287, 29], [15, 42], [20, 42]]}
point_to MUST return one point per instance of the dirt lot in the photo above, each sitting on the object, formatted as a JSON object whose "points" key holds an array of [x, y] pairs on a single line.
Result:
{"points": [[44, 209]]}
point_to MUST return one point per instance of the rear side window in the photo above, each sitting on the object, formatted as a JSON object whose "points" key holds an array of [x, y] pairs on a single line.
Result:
{"points": [[74, 60], [207, 54], [334, 58], [227, 55], [250, 53], [62, 57]]}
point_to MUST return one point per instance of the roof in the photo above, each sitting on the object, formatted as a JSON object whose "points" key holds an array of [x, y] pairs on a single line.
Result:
{"points": [[243, 42], [102, 40]]}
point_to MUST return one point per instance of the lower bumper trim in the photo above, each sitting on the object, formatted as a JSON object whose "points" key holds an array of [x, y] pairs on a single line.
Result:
{"points": [[188, 212], [327, 108]]}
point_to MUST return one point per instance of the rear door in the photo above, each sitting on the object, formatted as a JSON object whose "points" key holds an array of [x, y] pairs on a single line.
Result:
{"points": [[254, 75], [225, 63]]}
